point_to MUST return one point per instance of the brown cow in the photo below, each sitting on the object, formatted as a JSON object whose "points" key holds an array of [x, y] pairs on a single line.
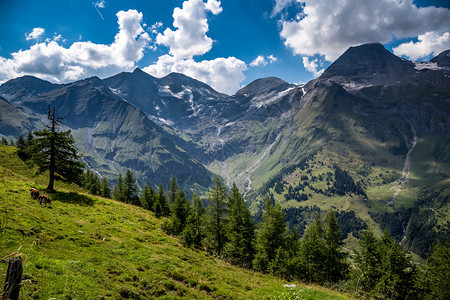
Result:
{"points": [[34, 193], [44, 199]]}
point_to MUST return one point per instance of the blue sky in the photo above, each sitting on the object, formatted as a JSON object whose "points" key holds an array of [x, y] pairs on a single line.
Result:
{"points": [[226, 44]]}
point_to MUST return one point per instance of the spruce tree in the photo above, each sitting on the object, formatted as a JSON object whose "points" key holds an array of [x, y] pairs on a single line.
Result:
{"points": [[180, 211], [130, 189], [383, 269], [270, 237], [173, 191], [193, 232], [148, 198], [335, 259], [368, 261], [436, 276], [398, 277], [95, 185], [217, 212], [161, 206], [55, 152], [118, 191], [313, 252], [105, 189], [241, 231]]}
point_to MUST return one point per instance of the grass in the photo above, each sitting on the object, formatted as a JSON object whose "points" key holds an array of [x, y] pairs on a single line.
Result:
{"points": [[85, 247]]}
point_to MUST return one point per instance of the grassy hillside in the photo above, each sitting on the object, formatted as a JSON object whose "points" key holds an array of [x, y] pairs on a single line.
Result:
{"points": [[85, 247]]}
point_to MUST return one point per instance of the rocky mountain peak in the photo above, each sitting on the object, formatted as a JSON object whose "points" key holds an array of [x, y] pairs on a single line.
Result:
{"points": [[443, 59], [24, 87], [368, 64], [263, 86]]}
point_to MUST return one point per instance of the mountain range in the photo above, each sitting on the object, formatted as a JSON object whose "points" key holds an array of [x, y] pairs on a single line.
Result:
{"points": [[370, 135]]}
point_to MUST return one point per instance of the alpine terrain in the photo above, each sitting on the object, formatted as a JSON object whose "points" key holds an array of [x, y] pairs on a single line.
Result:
{"points": [[369, 138]]}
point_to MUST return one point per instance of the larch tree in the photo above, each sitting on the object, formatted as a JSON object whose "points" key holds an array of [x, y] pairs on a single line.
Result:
{"points": [[55, 152]]}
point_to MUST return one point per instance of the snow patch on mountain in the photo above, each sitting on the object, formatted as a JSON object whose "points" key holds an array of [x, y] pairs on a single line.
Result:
{"points": [[268, 99], [419, 65]]}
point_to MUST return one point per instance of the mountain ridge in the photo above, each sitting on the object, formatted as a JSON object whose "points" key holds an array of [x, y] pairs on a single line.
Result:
{"points": [[367, 115]]}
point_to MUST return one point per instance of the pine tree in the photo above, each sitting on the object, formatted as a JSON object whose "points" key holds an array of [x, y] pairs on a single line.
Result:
{"points": [[161, 206], [270, 237], [4, 141], [241, 231], [148, 198], [105, 189], [313, 252], [217, 212], [130, 189], [335, 259], [193, 232], [55, 152], [119, 188]]}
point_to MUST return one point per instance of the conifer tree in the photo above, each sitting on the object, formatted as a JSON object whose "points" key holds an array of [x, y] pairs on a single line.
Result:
{"points": [[105, 189], [118, 191], [180, 212], [95, 185], [55, 152], [193, 232], [270, 237], [161, 206], [335, 259], [24, 146], [312, 252], [217, 212], [130, 189], [398, 277], [436, 276], [148, 198], [173, 191], [383, 269], [241, 230]]}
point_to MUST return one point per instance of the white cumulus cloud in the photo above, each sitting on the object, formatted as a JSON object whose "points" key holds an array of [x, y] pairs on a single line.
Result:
{"points": [[223, 74], [51, 61], [190, 39], [263, 61], [312, 66], [35, 34], [329, 27], [259, 61], [429, 43]]}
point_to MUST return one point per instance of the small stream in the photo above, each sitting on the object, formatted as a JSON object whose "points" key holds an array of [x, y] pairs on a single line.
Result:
{"points": [[406, 168]]}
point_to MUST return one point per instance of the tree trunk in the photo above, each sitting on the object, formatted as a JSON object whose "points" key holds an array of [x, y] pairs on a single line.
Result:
{"points": [[13, 279]]}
